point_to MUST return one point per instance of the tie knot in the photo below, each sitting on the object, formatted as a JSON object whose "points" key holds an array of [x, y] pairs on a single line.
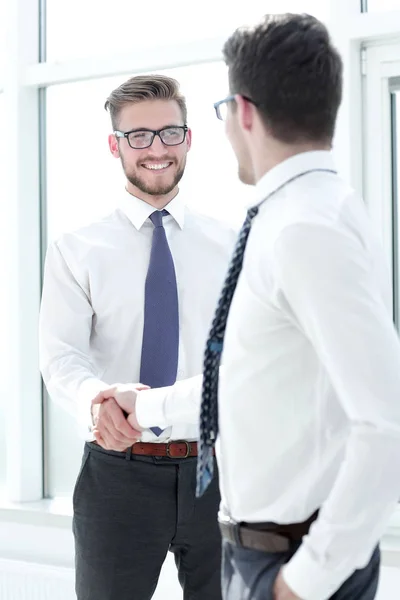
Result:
{"points": [[157, 216]]}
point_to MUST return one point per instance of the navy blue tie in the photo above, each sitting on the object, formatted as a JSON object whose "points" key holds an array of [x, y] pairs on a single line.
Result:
{"points": [[160, 343], [212, 357]]}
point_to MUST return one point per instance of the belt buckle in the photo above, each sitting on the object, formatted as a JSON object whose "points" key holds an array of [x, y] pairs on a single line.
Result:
{"points": [[186, 455]]}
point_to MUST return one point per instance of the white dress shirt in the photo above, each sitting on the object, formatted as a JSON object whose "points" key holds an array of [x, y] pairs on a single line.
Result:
{"points": [[91, 320], [309, 403], [309, 406]]}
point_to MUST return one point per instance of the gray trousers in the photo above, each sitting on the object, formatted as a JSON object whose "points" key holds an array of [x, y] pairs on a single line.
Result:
{"points": [[250, 575], [128, 512]]}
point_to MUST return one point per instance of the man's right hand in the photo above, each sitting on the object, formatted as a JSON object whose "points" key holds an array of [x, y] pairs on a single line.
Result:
{"points": [[111, 428]]}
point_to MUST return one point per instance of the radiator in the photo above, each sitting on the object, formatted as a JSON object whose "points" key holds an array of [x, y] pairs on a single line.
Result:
{"points": [[30, 581]]}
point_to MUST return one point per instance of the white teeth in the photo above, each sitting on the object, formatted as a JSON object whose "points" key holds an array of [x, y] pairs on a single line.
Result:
{"points": [[156, 167]]}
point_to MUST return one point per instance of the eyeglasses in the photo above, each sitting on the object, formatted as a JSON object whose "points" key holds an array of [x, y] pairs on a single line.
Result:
{"points": [[221, 107], [143, 138]]}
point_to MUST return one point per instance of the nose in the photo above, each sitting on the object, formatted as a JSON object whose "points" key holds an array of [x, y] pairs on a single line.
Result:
{"points": [[157, 146]]}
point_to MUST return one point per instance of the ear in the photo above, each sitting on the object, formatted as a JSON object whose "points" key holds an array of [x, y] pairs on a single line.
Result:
{"points": [[189, 139], [245, 112], [113, 145]]}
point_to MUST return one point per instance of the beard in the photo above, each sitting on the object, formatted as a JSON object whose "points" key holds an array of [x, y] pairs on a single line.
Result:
{"points": [[154, 188]]}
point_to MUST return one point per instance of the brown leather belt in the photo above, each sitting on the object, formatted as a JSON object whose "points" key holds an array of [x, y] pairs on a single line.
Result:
{"points": [[176, 449], [266, 537]]}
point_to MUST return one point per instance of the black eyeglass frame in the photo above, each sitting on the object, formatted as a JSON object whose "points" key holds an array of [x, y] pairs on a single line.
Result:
{"points": [[230, 98], [126, 134]]}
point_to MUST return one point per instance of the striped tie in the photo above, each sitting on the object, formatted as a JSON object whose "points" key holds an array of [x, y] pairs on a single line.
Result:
{"points": [[212, 359]]}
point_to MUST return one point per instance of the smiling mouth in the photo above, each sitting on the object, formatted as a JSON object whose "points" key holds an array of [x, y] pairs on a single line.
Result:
{"points": [[157, 166]]}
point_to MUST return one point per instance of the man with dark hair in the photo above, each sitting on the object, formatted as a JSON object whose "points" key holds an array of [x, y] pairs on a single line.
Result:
{"points": [[130, 299], [308, 414]]}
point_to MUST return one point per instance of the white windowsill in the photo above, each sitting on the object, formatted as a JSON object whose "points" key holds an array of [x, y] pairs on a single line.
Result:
{"points": [[45, 513]]}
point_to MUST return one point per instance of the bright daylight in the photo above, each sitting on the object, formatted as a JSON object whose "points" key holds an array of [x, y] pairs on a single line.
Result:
{"points": [[200, 300]]}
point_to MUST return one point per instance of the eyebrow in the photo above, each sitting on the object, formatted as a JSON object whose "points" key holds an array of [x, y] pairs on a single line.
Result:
{"points": [[148, 128]]}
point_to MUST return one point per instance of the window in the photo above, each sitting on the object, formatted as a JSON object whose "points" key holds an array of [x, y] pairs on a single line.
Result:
{"points": [[151, 23], [379, 5], [125, 25], [395, 104], [77, 151], [3, 319], [382, 153]]}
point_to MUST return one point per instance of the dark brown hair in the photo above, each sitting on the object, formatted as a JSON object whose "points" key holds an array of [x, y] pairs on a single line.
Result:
{"points": [[288, 66], [144, 87]]}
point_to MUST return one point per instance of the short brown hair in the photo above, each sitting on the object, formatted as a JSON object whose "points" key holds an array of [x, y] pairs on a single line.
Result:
{"points": [[144, 87], [289, 68]]}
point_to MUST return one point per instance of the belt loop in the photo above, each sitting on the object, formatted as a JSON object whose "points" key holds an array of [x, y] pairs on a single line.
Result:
{"points": [[236, 534], [128, 453]]}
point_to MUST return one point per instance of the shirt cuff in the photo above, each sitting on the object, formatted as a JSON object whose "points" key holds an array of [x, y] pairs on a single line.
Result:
{"points": [[310, 580], [150, 408], [87, 392]]}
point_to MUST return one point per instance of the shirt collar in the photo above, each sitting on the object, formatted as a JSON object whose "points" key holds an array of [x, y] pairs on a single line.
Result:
{"points": [[293, 167], [139, 211]]}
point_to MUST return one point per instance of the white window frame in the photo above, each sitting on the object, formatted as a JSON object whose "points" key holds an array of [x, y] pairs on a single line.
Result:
{"points": [[365, 155], [20, 81], [380, 63], [20, 297]]}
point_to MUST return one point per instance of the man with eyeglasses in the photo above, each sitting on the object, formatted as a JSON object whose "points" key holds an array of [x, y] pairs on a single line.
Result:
{"points": [[126, 309]]}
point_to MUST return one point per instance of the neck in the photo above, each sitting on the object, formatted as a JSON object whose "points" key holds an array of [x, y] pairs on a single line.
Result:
{"points": [[275, 153], [159, 202]]}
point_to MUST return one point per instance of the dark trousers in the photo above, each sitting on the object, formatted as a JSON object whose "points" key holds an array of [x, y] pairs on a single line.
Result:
{"points": [[250, 575], [128, 512]]}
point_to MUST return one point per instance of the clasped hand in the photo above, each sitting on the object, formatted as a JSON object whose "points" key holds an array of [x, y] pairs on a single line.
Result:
{"points": [[115, 426]]}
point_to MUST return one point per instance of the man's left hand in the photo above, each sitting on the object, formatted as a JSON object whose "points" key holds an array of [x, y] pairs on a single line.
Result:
{"points": [[282, 591]]}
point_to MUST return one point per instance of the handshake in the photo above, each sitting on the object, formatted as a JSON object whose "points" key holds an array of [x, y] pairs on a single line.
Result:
{"points": [[115, 426]]}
